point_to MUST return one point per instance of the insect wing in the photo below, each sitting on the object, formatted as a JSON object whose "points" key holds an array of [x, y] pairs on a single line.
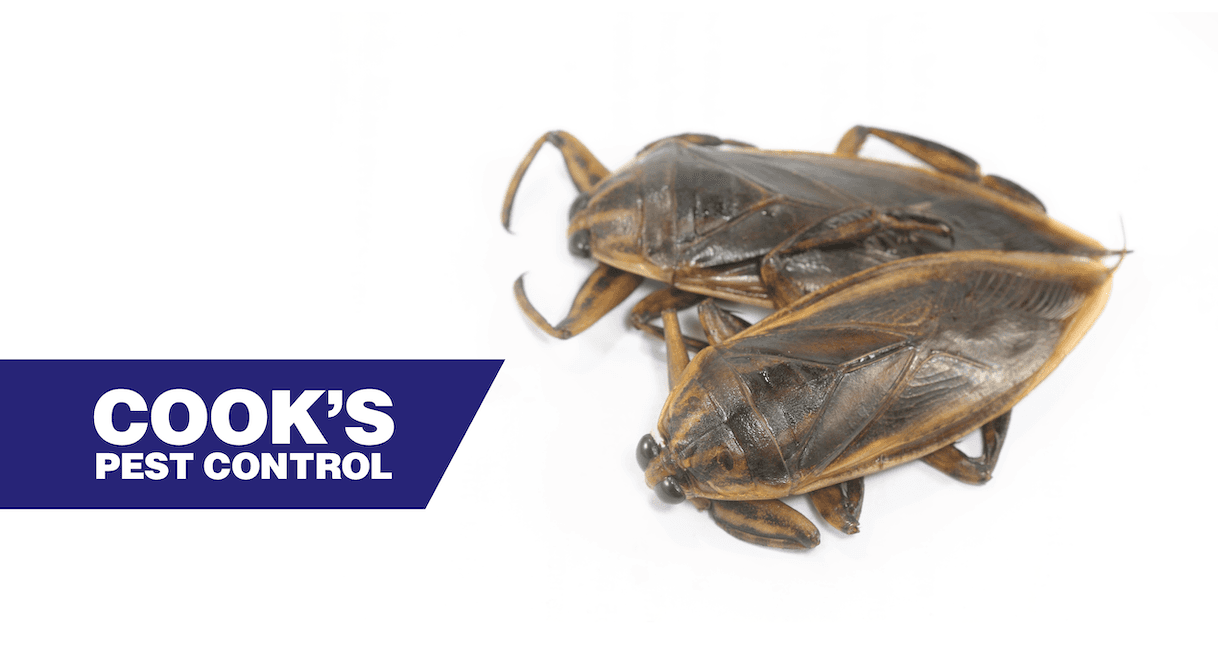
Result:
{"points": [[983, 329], [740, 204]]}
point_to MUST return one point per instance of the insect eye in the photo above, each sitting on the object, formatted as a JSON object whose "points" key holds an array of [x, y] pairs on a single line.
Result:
{"points": [[580, 244], [670, 491], [647, 450]]}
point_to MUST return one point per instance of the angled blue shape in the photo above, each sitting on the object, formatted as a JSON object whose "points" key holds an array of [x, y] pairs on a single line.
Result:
{"points": [[450, 394], [50, 448]]}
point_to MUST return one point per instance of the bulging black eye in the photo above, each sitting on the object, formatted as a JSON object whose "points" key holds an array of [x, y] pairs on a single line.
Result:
{"points": [[580, 244], [670, 491], [647, 450]]}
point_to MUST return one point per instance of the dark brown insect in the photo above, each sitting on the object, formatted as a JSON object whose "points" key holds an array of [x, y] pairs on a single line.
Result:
{"points": [[718, 217], [889, 365]]}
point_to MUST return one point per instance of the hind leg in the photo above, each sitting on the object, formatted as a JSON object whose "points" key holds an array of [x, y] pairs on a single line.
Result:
{"points": [[771, 523], [979, 470], [840, 504], [939, 157], [698, 140]]}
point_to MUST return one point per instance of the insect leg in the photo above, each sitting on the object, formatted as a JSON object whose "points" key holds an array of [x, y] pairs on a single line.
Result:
{"points": [[604, 290], [1012, 190], [955, 463], [678, 356], [698, 140], [939, 157], [771, 523], [855, 226], [654, 304], [719, 323], [840, 504], [584, 169]]}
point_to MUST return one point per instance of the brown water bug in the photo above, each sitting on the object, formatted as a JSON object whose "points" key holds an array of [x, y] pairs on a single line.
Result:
{"points": [[889, 365], [719, 217]]}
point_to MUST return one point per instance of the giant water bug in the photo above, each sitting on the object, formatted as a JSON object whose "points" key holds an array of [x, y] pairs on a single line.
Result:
{"points": [[889, 365], [719, 217]]}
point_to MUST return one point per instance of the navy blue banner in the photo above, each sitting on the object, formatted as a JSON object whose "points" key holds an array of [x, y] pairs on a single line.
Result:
{"points": [[232, 434]]}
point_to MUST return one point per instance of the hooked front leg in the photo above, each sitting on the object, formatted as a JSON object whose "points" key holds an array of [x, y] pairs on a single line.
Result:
{"points": [[655, 303], [604, 290], [840, 504], [584, 169], [979, 470], [771, 523], [845, 228], [939, 157]]}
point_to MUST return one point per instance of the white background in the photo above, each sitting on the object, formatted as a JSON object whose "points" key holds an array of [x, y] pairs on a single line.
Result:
{"points": [[307, 180]]}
